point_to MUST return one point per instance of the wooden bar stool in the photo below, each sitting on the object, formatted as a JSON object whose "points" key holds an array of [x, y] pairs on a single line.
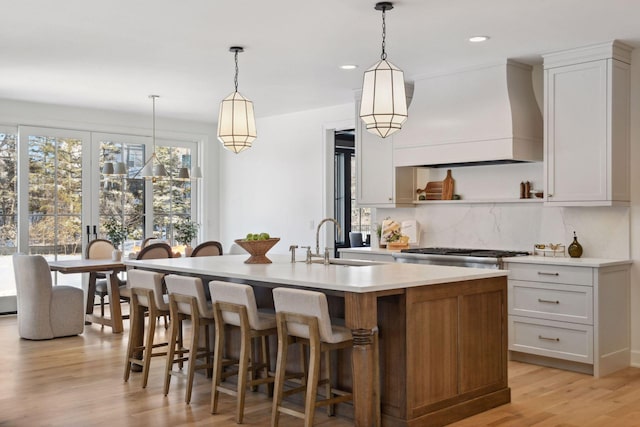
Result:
{"points": [[304, 315], [146, 295], [187, 300], [235, 305]]}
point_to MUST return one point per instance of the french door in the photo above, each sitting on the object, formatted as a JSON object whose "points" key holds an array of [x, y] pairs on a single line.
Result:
{"points": [[54, 198]]}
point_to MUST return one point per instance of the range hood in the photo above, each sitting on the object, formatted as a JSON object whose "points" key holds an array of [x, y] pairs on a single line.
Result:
{"points": [[486, 115]]}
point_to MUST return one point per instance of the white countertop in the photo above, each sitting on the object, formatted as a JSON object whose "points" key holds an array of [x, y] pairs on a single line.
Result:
{"points": [[568, 261], [359, 279]]}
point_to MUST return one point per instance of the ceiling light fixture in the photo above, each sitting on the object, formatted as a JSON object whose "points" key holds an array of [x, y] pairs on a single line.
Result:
{"points": [[151, 171], [478, 39], [348, 67], [383, 107], [236, 122]]}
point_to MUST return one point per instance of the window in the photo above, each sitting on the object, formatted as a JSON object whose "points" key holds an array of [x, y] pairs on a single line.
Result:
{"points": [[8, 210]]}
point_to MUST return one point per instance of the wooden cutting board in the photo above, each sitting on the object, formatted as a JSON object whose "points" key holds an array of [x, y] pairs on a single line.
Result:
{"points": [[439, 190]]}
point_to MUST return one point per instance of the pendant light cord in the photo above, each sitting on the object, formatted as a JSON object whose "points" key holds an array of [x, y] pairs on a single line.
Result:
{"points": [[235, 80], [384, 35]]}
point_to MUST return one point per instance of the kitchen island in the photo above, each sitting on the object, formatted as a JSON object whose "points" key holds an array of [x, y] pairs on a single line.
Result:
{"points": [[430, 342]]}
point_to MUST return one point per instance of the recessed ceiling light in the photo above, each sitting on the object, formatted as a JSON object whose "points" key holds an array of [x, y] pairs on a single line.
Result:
{"points": [[348, 67], [478, 39]]}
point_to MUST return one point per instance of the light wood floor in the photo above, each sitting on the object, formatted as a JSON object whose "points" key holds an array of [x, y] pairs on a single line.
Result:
{"points": [[77, 381]]}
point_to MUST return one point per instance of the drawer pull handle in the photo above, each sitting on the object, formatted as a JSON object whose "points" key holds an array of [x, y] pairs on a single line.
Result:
{"points": [[544, 273], [548, 301], [540, 337]]}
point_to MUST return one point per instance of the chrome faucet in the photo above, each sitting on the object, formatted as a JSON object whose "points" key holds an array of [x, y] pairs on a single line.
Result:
{"points": [[318, 232]]}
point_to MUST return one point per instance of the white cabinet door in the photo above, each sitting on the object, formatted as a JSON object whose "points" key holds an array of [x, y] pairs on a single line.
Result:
{"points": [[577, 132], [587, 126], [379, 183], [376, 178]]}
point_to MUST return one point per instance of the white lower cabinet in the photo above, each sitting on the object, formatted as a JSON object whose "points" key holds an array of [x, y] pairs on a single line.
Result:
{"points": [[569, 317]]}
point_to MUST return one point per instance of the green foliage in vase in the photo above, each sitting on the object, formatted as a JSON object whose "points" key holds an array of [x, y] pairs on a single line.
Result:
{"points": [[116, 231], [185, 231]]}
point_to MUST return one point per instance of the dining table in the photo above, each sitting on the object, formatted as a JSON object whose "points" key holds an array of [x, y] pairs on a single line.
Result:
{"points": [[110, 269]]}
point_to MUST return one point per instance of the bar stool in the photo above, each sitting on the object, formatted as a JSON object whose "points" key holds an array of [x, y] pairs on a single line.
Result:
{"points": [[304, 315], [146, 295], [187, 300], [235, 305]]}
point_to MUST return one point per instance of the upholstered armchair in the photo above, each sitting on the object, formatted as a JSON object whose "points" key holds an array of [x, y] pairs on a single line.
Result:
{"points": [[45, 311]]}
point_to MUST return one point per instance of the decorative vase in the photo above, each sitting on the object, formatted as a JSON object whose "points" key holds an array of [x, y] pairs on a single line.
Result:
{"points": [[116, 255], [575, 248], [188, 250]]}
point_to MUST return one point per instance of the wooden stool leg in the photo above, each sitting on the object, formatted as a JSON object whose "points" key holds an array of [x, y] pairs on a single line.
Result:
{"points": [[148, 348], [175, 325], [243, 368], [193, 355], [266, 359], [217, 365], [327, 387], [281, 363], [312, 381], [130, 345]]}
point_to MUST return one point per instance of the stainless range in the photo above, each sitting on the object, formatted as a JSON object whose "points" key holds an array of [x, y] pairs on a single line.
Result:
{"points": [[459, 257]]}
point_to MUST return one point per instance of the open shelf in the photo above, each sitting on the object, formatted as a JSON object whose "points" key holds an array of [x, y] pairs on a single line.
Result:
{"points": [[475, 201]]}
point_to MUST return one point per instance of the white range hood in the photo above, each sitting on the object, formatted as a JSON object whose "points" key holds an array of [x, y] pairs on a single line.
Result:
{"points": [[484, 115]]}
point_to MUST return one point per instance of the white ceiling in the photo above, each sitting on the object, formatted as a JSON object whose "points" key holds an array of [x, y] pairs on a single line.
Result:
{"points": [[112, 54]]}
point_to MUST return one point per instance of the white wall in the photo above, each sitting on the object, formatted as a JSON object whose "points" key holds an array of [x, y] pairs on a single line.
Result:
{"points": [[278, 185], [635, 207]]}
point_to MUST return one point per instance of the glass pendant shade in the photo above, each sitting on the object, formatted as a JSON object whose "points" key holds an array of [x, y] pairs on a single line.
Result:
{"points": [[107, 168], [236, 123], [383, 107]]}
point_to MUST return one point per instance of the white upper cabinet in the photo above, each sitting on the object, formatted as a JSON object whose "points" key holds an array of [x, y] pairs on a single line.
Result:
{"points": [[586, 114], [379, 183]]}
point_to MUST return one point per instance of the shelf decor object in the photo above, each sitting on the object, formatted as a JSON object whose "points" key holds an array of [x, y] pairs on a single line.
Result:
{"points": [[257, 249], [383, 107], [236, 122]]}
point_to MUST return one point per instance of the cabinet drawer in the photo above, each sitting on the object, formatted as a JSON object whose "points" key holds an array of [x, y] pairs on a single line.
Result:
{"points": [[560, 340], [551, 273], [564, 303]]}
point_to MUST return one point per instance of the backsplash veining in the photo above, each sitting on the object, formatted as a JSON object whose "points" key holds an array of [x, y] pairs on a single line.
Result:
{"points": [[604, 232]]}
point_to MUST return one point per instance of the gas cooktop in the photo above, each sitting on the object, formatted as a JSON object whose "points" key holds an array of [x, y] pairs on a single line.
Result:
{"points": [[483, 253]]}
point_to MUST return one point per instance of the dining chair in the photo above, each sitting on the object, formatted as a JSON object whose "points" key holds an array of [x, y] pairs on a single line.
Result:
{"points": [[45, 311], [210, 248], [99, 249]]}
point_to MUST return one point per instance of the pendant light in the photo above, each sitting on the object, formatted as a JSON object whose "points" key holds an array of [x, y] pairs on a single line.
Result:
{"points": [[153, 170], [383, 107], [236, 122]]}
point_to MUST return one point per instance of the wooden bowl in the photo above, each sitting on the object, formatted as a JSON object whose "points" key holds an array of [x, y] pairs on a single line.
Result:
{"points": [[257, 249]]}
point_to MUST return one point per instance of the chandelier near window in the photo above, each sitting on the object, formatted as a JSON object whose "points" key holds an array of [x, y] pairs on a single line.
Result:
{"points": [[383, 107], [236, 122], [153, 168]]}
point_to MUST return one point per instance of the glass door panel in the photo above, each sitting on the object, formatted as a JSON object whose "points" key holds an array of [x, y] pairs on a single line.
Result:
{"points": [[55, 208], [8, 216], [122, 198], [172, 198]]}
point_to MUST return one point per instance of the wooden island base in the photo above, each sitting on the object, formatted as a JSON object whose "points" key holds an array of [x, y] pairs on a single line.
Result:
{"points": [[424, 352]]}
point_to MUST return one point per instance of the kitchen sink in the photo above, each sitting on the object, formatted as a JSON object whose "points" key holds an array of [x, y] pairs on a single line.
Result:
{"points": [[344, 262]]}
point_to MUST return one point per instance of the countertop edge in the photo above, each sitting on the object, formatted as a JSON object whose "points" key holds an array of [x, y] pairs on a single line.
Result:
{"points": [[568, 261]]}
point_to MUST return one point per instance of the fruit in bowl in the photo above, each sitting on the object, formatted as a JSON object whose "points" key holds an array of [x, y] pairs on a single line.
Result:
{"points": [[257, 245]]}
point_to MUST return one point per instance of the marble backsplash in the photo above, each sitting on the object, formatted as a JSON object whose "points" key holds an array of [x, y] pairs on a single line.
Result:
{"points": [[604, 232]]}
